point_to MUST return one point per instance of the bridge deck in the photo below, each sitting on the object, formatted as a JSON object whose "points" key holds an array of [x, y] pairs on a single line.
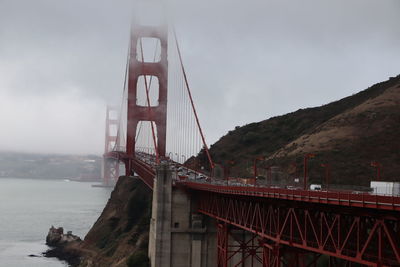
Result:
{"points": [[348, 199], [144, 165]]}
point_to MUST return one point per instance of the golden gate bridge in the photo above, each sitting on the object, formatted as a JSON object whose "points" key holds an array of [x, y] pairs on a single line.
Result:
{"points": [[157, 124]]}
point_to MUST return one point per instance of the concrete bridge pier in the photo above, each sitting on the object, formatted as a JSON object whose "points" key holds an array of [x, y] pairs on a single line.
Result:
{"points": [[178, 236]]}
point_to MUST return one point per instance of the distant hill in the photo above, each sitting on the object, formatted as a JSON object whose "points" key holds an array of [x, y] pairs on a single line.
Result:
{"points": [[46, 166], [348, 134]]}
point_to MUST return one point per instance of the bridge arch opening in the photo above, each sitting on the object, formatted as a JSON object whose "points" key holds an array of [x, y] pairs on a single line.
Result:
{"points": [[113, 129], [148, 50], [144, 141], [153, 86]]}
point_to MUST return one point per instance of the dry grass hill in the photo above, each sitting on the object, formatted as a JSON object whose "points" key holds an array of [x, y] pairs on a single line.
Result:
{"points": [[348, 134]]}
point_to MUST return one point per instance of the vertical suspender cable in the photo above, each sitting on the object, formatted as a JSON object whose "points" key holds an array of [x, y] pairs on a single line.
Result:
{"points": [[192, 104], [118, 141]]}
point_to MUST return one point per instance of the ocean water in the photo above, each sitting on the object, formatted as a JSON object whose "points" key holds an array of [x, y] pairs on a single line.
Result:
{"points": [[28, 208]]}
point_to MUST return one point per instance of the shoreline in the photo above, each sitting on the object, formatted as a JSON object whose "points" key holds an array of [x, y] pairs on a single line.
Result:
{"points": [[62, 253]]}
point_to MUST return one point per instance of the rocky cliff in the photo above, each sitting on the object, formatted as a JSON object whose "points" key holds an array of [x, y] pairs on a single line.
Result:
{"points": [[119, 238]]}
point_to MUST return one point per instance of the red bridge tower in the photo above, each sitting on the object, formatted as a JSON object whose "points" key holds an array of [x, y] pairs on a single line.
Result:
{"points": [[138, 67], [110, 166]]}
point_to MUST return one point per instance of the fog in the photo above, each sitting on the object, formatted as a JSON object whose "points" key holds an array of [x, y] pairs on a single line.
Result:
{"points": [[61, 62]]}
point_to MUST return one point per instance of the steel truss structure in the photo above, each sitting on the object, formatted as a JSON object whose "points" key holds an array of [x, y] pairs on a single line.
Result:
{"points": [[235, 243], [363, 236]]}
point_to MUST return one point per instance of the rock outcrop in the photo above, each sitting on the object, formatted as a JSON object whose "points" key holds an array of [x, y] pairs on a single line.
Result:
{"points": [[63, 246], [56, 237], [119, 238]]}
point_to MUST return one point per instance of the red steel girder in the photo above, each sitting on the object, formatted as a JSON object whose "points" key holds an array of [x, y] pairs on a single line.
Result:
{"points": [[145, 172], [271, 255], [133, 165], [363, 236], [222, 245], [236, 244]]}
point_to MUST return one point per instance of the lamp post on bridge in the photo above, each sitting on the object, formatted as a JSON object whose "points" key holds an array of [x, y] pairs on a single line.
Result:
{"points": [[327, 174], [255, 167], [306, 158], [227, 169], [269, 174], [296, 176]]}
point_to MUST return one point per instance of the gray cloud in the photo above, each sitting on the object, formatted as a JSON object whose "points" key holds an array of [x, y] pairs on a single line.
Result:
{"points": [[62, 61]]}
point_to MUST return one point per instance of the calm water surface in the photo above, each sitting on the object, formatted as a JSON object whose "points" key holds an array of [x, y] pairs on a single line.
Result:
{"points": [[29, 207]]}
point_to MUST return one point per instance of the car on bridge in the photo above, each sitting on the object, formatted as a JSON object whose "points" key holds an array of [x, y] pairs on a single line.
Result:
{"points": [[315, 187]]}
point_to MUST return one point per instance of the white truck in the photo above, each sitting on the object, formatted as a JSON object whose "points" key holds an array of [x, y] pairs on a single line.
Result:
{"points": [[315, 187], [385, 188]]}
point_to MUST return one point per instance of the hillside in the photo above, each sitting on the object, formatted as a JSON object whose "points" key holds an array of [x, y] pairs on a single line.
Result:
{"points": [[348, 134], [120, 235]]}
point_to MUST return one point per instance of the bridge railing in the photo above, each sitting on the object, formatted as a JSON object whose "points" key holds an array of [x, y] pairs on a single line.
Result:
{"points": [[146, 164], [324, 197]]}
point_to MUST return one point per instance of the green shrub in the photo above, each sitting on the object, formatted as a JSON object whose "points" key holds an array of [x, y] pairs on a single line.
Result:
{"points": [[250, 138]]}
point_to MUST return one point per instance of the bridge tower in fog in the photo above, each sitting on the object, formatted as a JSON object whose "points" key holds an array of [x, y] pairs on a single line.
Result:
{"points": [[110, 166], [155, 71]]}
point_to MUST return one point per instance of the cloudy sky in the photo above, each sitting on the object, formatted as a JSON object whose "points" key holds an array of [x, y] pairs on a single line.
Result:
{"points": [[62, 61]]}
